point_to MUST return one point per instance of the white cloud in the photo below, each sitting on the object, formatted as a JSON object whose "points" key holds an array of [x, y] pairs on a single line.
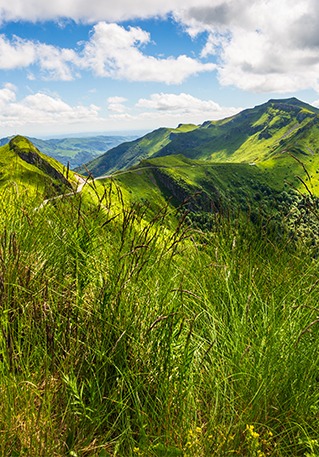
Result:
{"points": [[41, 110], [116, 52], [111, 52], [93, 11], [260, 45], [116, 104], [116, 99], [7, 95], [16, 54], [54, 62], [44, 114], [178, 103], [182, 108]]}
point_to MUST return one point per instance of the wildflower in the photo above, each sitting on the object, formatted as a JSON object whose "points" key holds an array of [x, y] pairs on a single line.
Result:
{"points": [[250, 430]]}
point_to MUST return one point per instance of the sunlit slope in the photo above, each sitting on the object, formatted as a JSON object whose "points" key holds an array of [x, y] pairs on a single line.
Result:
{"points": [[196, 185], [132, 152], [23, 166], [254, 135]]}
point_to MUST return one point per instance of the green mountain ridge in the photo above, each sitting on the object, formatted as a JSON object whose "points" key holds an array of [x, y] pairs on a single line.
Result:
{"points": [[254, 135], [280, 137], [271, 157], [130, 153]]}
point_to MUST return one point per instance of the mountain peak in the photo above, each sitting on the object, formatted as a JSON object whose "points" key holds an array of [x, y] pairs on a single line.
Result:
{"points": [[21, 143], [26, 150], [291, 102]]}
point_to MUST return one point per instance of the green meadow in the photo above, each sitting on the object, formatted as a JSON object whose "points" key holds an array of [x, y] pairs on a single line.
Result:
{"points": [[126, 333], [168, 309]]}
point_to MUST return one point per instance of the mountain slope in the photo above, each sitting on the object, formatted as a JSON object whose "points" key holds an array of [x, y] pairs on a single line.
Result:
{"points": [[25, 167], [253, 135], [130, 153]]}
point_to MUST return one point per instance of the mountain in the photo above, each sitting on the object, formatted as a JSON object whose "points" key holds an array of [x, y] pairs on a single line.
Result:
{"points": [[131, 152], [171, 308], [262, 162], [168, 310], [23, 166], [254, 135], [76, 151], [255, 162]]}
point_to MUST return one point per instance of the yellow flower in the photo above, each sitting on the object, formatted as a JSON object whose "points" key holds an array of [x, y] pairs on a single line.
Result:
{"points": [[250, 430]]}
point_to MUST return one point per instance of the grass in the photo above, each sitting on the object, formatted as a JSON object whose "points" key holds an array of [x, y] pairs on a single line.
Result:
{"points": [[124, 335]]}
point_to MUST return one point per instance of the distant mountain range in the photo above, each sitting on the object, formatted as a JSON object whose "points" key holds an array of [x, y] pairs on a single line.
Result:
{"points": [[77, 150]]}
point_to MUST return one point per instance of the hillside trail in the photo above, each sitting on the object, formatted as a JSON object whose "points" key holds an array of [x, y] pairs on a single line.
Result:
{"points": [[80, 184]]}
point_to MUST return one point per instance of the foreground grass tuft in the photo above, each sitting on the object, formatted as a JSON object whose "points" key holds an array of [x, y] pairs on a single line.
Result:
{"points": [[122, 336]]}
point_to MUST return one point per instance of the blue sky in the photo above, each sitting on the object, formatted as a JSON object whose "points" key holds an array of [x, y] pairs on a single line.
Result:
{"points": [[74, 67]]}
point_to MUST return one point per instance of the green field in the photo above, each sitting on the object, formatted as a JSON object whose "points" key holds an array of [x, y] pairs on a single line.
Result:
{"points": [[165, 309]]}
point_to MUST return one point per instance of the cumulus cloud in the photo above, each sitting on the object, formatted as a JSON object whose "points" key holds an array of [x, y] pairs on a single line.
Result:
{"points": [[260, 46], [178, 103], [182, 106], [111, 52], [54, 63], [257, 45], [7, 95], [40, 109], [116, 52], [17, 53], [93, 11], [39, 112]]}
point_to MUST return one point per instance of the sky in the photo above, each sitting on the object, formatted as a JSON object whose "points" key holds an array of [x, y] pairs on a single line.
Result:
{"points": [[80, 67]]}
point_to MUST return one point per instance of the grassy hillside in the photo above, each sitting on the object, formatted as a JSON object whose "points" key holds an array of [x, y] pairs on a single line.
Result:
{"points": [[25, 168], [250, 136], [253, 135], [130, 153], [170, 309], [129, 331], [278, 193]]}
